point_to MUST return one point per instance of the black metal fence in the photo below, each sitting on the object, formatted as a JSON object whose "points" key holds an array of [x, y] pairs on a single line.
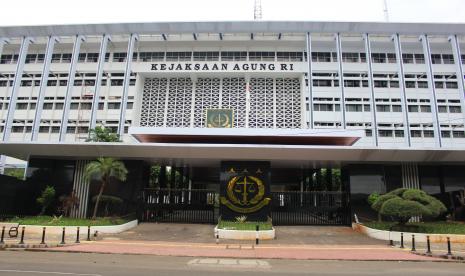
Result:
{"points": [[178, 205], [310, 208]]}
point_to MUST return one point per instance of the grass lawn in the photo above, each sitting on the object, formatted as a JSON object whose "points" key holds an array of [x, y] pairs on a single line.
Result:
{"points": [[440, 227], [51, 221], [248, 225]]}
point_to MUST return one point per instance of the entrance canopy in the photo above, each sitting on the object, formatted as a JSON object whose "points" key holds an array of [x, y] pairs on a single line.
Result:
{"points": [[314, 137]]}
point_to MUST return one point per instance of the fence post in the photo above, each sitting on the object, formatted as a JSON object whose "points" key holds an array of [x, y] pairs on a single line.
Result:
{"points": [[428, 246], [88, 233], [43, 236], [3, 235], [63, 236], [401, 240], [22, 235], [449, 252], [413, 243], [77, 235], [257, 229]]}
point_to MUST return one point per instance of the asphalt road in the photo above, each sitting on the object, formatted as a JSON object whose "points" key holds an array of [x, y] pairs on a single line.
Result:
{"points": [[23, 263]]}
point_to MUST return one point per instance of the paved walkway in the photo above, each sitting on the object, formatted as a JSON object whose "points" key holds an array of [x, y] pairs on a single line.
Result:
{"points": [[297, 252]]}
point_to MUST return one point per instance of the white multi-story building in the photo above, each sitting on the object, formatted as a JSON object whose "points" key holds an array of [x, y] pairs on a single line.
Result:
{"points": [[302, 94]]}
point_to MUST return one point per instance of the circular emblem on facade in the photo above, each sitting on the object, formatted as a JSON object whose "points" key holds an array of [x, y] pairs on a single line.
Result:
{"points": [[245, 194]]}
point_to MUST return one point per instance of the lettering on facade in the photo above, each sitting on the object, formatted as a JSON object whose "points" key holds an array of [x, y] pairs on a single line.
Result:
{"points": [[222, 67]]}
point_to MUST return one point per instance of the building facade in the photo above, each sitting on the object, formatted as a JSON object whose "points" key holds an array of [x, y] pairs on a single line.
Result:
{"points": [[381, 103]]}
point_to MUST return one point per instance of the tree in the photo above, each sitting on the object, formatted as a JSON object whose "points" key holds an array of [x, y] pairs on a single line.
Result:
{"points": [[105, 168], [403, 204], [46, 198], [102, 134], [109, 201]]}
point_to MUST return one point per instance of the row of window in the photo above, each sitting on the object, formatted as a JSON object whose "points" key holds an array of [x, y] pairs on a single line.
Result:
{"points": [[417, 133], [384, 84], [351, 57], [386, 108], [56, 129], [73, 106], [64, 82]]}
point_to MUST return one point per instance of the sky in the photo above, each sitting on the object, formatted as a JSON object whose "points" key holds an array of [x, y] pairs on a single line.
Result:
{"points": [[45, 12]]}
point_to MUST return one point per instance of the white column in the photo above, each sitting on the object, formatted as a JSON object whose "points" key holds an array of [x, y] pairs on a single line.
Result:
{"points": [[341, 79], [459, 70], [400, 65], [69, 87], [366, 38], [308, 45], [3, 41], [434, 104], [80, 189], [26, 41], [43, 85], [127, 79], [194, 83], [98, 81]]}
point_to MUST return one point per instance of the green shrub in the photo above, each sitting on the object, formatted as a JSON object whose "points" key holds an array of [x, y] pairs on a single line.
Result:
{"points": [[46, 198], [372, 198], [403, 204]]}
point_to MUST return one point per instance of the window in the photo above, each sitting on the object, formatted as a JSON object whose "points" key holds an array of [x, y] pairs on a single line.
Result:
{"points": [[351, 83], [86, 106], [66, 58], [119, 57], [206, 56], [455, 109], [114, 105], [117, 82], [323, 107], [101, 106], [425, 108], [394, 84], [48, 106], [407, 58], [178, 56], [383, 108], [448, 59], [438, 84], [44, 129], [428, 133], [234, 56], [381, 84], [74, 106], [451, 85], [419, 58], [399, 133], [21, 106], [59, 105], [366, 107], [17, 129], [458, 134], [413, 108], [51, 83], [129, 105], [261, 56], [436, 59], [322, 83], [442, 109], [409, 84], [71, 129], [350, 57], [415, 133], [151, 56], [378, 57], [384, 133], [391, 57], [289, 56], [445, 133], [92, 57], [31, 58], [55, 129], [354, 108], [63, 82], [368, 133], [321, 57], [26, 83], [422, 84], [396, 108]]}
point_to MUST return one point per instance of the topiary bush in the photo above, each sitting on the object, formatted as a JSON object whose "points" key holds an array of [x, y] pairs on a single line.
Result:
{"points": [[403, 204]]}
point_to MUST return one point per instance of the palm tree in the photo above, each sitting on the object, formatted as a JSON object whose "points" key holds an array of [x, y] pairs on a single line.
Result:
{"points": [[105, 168]]}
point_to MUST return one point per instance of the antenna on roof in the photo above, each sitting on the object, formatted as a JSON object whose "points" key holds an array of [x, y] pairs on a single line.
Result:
{"points": [[386, 11], [257, 11]]}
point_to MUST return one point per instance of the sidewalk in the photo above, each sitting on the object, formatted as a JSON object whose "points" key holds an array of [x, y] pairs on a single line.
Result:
{"points": [[297, 252]]}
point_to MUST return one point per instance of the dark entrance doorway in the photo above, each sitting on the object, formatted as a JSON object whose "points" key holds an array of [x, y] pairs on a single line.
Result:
{"points": [[297, 196]]}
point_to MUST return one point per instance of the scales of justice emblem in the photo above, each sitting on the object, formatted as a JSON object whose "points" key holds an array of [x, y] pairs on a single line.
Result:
{"points": [[245, 194], [220, 118]]}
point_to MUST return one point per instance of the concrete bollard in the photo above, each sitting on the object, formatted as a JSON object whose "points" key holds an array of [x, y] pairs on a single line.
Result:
{"points": [[413, 243], [88, 233], [449, 251], [257, 237], [428, 246], [401, 240]]}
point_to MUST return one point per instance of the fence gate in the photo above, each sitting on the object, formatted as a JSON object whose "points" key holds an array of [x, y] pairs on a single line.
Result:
{"points": [[310, 208], [177, 205]]}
